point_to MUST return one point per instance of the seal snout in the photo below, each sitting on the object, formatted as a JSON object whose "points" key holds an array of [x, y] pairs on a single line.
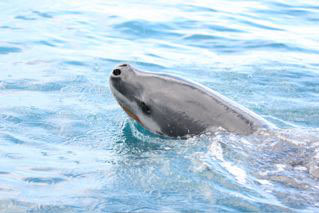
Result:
{"points": [[121, 78], [120, 70]]}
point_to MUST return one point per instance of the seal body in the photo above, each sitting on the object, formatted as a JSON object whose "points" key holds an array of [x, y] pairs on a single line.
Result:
{"points": [[176, 107]]}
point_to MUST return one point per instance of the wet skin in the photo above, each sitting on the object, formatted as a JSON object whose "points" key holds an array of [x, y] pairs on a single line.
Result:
{"points": [[176, 107]]}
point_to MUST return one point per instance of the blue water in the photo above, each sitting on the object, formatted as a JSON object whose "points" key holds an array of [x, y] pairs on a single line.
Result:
{"points": [[66, 146]]}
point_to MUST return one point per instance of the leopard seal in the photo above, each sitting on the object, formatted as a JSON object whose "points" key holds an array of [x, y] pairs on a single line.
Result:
{"points": [[176, 107]]}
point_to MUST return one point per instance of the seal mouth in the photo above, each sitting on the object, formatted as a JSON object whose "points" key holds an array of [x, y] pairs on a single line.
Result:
{"points": [[130, 113], [120, 99]]}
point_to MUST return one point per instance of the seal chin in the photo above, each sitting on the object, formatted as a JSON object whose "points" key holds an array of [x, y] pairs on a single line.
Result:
{"points": [[124, 103]]}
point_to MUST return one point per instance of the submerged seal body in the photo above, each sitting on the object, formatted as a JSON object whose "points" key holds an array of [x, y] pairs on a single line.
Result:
{"points": [[175, 107]]}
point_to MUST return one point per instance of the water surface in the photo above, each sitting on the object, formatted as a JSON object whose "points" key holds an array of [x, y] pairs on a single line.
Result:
{"points": [[66, 146]]}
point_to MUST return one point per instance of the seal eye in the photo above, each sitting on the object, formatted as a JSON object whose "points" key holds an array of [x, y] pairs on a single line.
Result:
{"points": [[123, 65], [117, 72], [146, 109]]}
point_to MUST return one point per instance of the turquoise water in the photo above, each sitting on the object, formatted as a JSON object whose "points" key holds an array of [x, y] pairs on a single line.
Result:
{"points": [[66, 146]]}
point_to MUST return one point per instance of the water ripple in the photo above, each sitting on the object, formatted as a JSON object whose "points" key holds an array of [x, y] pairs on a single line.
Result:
{"points": [[7, 50], [38, 180], [142, 28], [42, 15], [26, 18]]}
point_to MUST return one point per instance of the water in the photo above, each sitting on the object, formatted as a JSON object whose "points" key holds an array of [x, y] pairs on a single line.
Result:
{"points": [[66, 146]]}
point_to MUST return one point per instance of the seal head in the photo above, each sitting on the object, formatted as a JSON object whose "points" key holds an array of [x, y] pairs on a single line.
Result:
{"points": [[131, 95], [176, 107]]}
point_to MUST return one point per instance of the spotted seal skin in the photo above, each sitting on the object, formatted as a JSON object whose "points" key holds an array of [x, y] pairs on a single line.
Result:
{"points": [[176, 107]]}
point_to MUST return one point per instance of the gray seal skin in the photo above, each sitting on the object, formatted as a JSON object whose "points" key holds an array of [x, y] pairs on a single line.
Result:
{"points": [[171, 106]]}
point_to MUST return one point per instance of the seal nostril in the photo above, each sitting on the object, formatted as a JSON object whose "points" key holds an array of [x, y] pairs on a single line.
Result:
{"points": [[117, 72]]}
